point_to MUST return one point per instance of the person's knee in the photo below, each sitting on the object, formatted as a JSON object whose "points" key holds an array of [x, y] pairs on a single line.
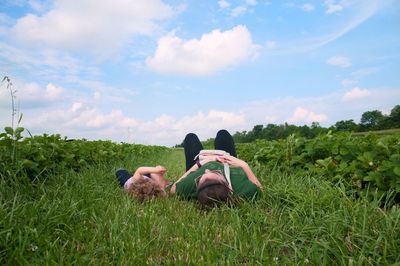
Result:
{"points": [[190, 136], [223, 133]]}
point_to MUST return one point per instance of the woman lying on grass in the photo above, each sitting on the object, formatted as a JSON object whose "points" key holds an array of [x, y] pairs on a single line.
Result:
{"points": [[208, 180], [146, 183]]}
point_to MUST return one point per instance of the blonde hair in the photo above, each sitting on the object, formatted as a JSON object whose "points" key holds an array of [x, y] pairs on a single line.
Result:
{"points": [[143, 190]]}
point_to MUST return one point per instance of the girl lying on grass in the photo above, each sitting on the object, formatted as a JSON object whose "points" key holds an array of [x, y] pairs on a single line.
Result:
{"points": [[146, 183]]}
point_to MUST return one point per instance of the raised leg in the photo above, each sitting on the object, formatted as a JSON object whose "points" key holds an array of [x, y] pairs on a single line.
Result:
{"points": [[224, 141], [192, 146]]}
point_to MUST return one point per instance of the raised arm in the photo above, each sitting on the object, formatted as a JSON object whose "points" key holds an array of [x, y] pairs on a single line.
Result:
{"points": [[148, 170], [236, 162]]}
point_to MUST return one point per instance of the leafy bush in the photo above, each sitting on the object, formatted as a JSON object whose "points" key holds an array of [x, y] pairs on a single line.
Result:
{"points": [[38, 156], [358, 163]]}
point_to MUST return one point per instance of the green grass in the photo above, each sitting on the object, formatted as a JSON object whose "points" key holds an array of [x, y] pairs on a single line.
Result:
{"points": [[379, 132], [85, 218]]}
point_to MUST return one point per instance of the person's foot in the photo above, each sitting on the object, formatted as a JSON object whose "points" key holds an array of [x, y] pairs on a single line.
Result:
{"points": [[122, 175]]}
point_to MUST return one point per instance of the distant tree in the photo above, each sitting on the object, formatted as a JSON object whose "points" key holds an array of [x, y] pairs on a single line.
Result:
{"points": [[371, 120], [257, 132], [305, 131], [289, 130], [345, 125], [272, 132], [317, 129], [394, 117], [240, 137]]}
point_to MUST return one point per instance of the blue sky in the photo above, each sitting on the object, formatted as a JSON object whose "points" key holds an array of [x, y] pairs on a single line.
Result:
{"points": [[150, 71]]}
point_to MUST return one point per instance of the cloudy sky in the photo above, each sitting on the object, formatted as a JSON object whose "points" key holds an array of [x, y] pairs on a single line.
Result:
{"points": [[150, 71]]}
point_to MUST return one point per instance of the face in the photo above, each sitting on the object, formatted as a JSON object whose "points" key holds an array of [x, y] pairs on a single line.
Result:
{"points": [[211, 175]]}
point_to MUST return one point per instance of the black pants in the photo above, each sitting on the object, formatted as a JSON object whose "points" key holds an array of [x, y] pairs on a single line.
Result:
{"points": [[192, 145]]}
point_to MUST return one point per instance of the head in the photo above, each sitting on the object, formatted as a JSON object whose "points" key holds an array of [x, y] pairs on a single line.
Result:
{"points": [[143, 190], [212, 189]]}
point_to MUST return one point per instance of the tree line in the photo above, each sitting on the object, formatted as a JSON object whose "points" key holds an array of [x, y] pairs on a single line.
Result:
{"points": [[370, 121]]}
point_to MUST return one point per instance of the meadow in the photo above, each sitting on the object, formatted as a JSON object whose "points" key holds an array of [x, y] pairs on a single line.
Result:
{"points": [[56, 215]]}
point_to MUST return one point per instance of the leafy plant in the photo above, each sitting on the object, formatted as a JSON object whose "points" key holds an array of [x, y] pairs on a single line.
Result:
{"points": [[15, 133], [368, 165], [39, 156]]}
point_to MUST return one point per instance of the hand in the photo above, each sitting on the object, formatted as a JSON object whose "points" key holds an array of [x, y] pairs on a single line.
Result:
{"points": [[232, 161], [207, 160], [161, 169]]}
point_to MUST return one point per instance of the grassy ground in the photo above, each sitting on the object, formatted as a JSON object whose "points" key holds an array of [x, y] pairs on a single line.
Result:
{"points": [[379, 132], [85, 218]]}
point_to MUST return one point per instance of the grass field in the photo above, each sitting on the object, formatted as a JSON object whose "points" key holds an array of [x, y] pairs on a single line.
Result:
{"points": [[86, 219], [379, 132]]}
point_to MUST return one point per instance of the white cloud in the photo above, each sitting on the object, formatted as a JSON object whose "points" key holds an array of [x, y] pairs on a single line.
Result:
{"points": [[239, 11], [34, 95], [76, 106], [80, 116], [97, 26], [97, 95], [302, 115], [171, 130], [355, 76], [333, 6], [213, 52], [92, 123], [38, 5], [46, 63], [308, 7], [53, 92], [223, 4], [251, 2], [340, 61], [356, 93], [82, 119], [349, 82], [270, 119], [165, 120]]}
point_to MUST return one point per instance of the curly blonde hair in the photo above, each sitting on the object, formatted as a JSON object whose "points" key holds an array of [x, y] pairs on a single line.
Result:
{"points": [[143, 190]]}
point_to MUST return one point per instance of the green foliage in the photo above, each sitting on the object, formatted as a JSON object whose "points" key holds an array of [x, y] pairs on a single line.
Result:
{"points": [[368, 165], [84, 218], [394, 117], [370, 121], [39, 156], [346, 125], [274, 132]]}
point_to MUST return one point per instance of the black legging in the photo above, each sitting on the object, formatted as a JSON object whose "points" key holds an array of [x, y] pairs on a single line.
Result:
{"points": [[192, 145]]}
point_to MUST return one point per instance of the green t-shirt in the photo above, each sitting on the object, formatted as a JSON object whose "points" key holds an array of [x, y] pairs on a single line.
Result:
{"points": [[242, 186]]}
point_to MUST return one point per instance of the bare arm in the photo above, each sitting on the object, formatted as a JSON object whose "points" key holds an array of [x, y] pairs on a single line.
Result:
{"points": [[251, 176], [236, 162], [148, 170], [193, 168]]}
